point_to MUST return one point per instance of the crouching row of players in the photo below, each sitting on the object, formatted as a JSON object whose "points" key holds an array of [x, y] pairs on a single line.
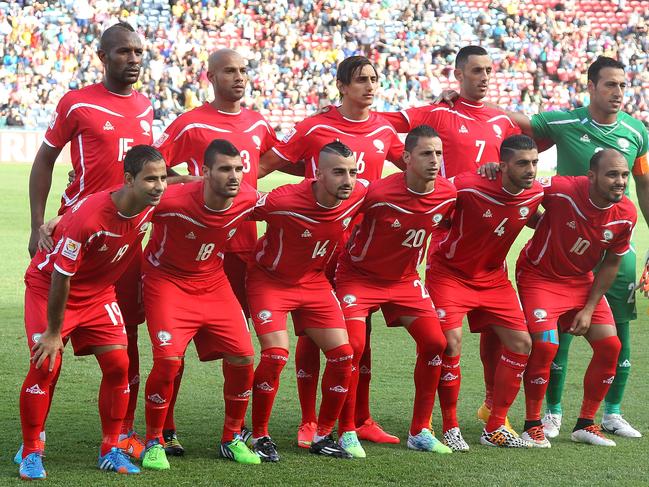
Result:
{"points": [[473, 222]]}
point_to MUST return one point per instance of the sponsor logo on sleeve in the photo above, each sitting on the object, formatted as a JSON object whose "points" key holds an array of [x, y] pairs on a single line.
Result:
{"points": [[290, 134], [161, 140], [53, 120], [71, 249]]}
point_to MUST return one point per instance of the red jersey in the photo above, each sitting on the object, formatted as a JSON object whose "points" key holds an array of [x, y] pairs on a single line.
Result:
{"points": [[301, 235], [573, 233], [391, 241], [471, 132], [101, 127], [188, 237], [94, 245], [186, 139], [486, 222], [373, 141]]}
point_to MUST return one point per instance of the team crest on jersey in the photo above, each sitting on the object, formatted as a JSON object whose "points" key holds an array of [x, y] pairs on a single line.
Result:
{"points": [[608, 235], [437, 217], [257, 141], [164, 337], [146, 128], [346, 222], [380, 146], [144, 227], [53, 120], [71, 249], [161, 140], [36, 337], [540, 314], [623, 144], [265, 316], [231, 233], [441, 314], [498, 131], [524, 212], [290, 134], [349, 300]]}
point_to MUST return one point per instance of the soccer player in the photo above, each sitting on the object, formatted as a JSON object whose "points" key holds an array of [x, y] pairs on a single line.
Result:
{"points": [[467, 274], [578, 134], [472, 133], [305, 222], [101, 122], [588, 222], [186, 140], [70, 294], [187, 296], [373, 140], [379, 268]]}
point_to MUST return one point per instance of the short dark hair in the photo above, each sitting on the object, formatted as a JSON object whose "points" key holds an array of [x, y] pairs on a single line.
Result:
{"points": [[463, 55], [138, 156], [600, 63], [346, 69], [219, 146], [105, 42], [338, 148], [599, 155], [515, 143], [412, 139]]}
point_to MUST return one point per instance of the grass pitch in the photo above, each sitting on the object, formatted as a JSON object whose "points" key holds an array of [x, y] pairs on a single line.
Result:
{"points": [[74, 434]]}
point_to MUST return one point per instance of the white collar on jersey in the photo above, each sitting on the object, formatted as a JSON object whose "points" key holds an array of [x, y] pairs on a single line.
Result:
{"points": [[340, 202], [229, 113], [599, 207], [218, 211], [470, 105], [513, 194], [418, 193]]}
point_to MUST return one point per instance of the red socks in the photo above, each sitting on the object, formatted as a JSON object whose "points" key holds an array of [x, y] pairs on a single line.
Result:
{"points": [[507, 383], [133, 378], [600, 374], [307, 368], [449, 390], [363, 388], [159, 390], [265, 384], [356, 333], [35, 398], [335, 385], [490, 351], [170, 424], [237, 387], [430, 346], [113, 395], [537, 375]]}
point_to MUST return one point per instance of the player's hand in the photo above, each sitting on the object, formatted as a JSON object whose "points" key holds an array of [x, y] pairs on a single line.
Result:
{"points": [[448, 96], [489, 170], [643, 283], [32, 246], [71, 175], [45, 241], [581, 323], [48, 346]]}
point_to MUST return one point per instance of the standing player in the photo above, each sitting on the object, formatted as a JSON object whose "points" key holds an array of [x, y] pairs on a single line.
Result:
{"points": [[472, 133], [467, 275], [587, 222], [101, 122], [305, 223], [187, 296], [379, 268], [71, 289], [373, 140], [186, 140], [578, 134]]}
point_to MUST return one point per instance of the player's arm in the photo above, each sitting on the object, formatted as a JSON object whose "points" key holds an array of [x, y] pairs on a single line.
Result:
{"points": [[398, 120], [601, 284], [50, 343], [40, 183], [272, 161]]}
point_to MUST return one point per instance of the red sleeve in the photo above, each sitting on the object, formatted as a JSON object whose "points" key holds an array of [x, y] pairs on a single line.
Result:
{"points": [[74, 240], [398, 121], [260, 212], [62, 128], [171, 149], [270, 140], [423, 116], [293, 147], [395, 152]]}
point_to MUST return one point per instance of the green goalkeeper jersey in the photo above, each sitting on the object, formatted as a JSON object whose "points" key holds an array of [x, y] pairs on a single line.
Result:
{"points": [[577, 137]]}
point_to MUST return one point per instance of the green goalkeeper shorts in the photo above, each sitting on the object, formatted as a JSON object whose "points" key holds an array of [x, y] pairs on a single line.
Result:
{"points": [[621, 295]]}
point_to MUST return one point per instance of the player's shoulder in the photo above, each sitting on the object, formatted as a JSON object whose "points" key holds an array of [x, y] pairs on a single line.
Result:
{"points": [[626, 209], [378, 122], [632, 124], [443, 185], [563, 117], [562, 183], [470, 179]]}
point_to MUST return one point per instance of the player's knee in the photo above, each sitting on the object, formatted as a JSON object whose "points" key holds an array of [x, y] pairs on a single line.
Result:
{"points": [[42, 376], [453, 345], [239, 360], [165, 370], [608, 348], [519, 343], [340, 356], [114, 365]]}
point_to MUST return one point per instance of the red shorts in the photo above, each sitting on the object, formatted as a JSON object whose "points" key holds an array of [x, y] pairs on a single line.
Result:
{"points": [[487, 304], [359, 295], [178, 311], [312, 304], [548, 303], [128, 289], [89, 323], [234, 265]]}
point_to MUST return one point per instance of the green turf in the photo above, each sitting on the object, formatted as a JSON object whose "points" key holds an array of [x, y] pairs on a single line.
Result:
{"points": [[74, 434]]}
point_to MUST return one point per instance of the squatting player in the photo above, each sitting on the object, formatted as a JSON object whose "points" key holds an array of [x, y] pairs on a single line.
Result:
{"points": [[578, 134], [187, 296], [467, 274], [70, 294], [379, 268], [185, 141], [305, 223], [101, 122], [373, 140], [587, 222]]}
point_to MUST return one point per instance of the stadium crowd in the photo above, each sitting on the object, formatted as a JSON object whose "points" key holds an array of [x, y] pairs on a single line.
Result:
{"points": [[48, 48]]}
